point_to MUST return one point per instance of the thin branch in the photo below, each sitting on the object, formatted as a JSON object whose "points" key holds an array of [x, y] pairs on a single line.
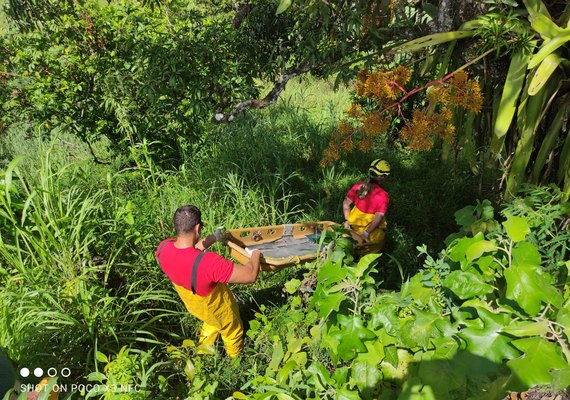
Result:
{"points": [[271, 97]]}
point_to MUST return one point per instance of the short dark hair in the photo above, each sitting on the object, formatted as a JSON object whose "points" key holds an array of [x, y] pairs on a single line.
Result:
{"points": [[186, 218]]}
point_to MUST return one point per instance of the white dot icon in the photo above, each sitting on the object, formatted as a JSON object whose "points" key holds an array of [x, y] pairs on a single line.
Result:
{"points": [[25, 372], [38, 372]]}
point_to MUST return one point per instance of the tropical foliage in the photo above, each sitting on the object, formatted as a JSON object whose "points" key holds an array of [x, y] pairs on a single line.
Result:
{"points": [[108, 123]]}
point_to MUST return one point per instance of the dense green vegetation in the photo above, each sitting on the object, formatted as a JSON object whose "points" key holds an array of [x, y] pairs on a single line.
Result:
{"points": [[79, 274], [106, 128]]}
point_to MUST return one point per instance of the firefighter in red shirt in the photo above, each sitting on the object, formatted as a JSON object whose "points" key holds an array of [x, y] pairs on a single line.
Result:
{"points": [[201, 279], [368, 216]]}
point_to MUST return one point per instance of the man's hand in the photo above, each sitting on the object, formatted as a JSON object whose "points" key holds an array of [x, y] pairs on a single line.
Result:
{"points": [[365, 235], [346, 225]]}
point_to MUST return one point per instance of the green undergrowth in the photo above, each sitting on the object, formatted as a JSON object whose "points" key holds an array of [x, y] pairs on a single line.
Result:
{"points": [[78, 237]]}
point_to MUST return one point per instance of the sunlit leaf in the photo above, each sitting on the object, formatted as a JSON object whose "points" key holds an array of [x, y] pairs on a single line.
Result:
{"points": [[421, 329], [467, 284], [283, 6], [351, 336], [530, 286], [489, 342], [517, 228], [539, 357], [477, 249], [527, 328], [366, 377]]}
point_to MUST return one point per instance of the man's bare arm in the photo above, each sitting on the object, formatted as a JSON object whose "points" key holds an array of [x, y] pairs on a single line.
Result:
{"points": [[247, 273]]}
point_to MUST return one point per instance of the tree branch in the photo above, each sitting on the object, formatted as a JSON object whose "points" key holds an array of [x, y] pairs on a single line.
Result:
{"points": [[271, 97], [242, 12]]}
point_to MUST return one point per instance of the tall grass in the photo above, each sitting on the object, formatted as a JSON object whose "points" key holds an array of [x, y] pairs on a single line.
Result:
{"points": [[77, 268]]}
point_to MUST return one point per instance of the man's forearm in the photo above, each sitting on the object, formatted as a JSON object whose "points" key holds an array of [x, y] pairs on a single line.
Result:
{"points": [[255, 261]]}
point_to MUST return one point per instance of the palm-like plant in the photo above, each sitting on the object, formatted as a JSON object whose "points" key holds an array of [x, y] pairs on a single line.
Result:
{"points": [[533, 106]]}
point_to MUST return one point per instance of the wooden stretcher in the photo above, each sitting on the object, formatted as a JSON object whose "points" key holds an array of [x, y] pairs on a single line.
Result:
{"points": [[280, 245]]}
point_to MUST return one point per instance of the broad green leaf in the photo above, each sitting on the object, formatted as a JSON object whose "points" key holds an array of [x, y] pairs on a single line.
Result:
{"points": [[421, 329], [346, 394], [276, 357], [442, 375], [477, 249], [526, 253], [465, 217], [488, 266], [96, 377], [549, 47], [535, 7], [352, 334], [432, 40], [320, 375], [366, 377], [331, 273], [283, 374], [544, 26], [340, 376], [517, 228], [292, 285], [329, 302], [189, 370], [101, 357], [418, 290], [445, 348], [467, 284], [539, 357], [384, 315], [551, 139], [414, 389], [527, 328], [507, 106], [544, 72], [561, 379], [459, 248], [489, 342], [283, 6], [563, 318], [530, 286], [364, 264], [396, 364], [374, 353]]}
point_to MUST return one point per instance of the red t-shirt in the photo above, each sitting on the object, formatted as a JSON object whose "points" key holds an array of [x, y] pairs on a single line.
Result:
{"points": [[177, 265], [377, 199]]}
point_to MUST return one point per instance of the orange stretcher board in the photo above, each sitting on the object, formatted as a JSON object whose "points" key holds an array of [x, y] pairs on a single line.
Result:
{"points": [[280, 245]]}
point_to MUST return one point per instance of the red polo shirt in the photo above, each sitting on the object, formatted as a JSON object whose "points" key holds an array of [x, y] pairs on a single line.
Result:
{"points": [[177, 265], [376, 200]]}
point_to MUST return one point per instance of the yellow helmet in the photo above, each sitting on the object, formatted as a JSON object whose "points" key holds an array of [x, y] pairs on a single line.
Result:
{"points": [[379, 168]]}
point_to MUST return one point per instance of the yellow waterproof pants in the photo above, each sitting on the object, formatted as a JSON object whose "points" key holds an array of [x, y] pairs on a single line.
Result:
{"points": [[359, 221], [220, 315]]}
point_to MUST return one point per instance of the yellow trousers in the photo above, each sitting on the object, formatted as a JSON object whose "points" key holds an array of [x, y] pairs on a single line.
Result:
{"points": [[220, 315], [359, 221]]}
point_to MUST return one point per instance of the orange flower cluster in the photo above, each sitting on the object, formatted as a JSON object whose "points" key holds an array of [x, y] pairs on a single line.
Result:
{"points": [[383, 87], [375, 123], [354, 110], [341, 141], [365, 119], [420, 132], [459, 91]]}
